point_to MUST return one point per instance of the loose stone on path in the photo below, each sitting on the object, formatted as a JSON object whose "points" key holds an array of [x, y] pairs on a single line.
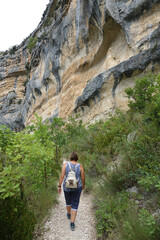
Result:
{"points": [[57, 227]]}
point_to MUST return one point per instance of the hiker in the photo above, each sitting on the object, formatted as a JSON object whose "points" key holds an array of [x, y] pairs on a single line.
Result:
{"points": [[72, 193]]}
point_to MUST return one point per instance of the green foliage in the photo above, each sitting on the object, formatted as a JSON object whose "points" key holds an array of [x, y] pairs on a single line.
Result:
{"points": [[17, 221], [57, 134], [137, 225], [117, 154], [145, 97], [10, 182], [5, 137], [131, 223], [142, 93], [48, 22], [43, 36], [28, 175], [108, 212], [31, 43], [19, 101], [13, 50], [120, 153], [28, 67], [149, 181], [105, 219]]}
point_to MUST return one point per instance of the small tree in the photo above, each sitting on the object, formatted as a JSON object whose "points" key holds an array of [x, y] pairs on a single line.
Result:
{"points": [[57, 135], [145, 97]]}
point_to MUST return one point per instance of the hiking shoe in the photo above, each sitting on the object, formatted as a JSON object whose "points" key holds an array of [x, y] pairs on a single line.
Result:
{"points": [[72, 226], [68, 215]]}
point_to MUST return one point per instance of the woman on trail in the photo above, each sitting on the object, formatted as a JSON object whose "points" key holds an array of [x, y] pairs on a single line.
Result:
{"points": [[72, 195]]}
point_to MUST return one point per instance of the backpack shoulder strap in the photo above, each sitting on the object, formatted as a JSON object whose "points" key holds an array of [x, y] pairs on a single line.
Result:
{"points": [[77, 165], [74, 167], [69, 166]]}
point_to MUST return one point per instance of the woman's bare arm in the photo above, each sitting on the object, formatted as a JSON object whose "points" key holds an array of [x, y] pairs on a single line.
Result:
{"points": [[62, 176], [82, 176]]}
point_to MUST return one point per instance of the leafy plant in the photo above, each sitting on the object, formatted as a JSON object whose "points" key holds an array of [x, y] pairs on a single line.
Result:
{"points": [[120, 153], [31, 43], [117, 154], [137, 225], [28, 174], [145, 97], [13, 50]]}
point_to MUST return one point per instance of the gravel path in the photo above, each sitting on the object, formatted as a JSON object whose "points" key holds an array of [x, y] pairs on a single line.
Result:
{"points": [[57, 227]]}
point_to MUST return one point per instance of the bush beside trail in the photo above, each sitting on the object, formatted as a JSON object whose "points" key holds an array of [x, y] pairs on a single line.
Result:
{"points": [[29, 169], [122, 154]]}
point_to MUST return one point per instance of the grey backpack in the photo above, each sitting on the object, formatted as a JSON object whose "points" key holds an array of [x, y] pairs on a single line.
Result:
{"points": [[71, 181]]}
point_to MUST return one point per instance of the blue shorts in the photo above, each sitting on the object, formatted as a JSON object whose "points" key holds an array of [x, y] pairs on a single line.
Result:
{"points": [[72, 198]]}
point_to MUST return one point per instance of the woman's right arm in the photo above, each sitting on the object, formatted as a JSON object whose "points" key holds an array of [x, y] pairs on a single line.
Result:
{"points": [[62, 177], [82, 176]]}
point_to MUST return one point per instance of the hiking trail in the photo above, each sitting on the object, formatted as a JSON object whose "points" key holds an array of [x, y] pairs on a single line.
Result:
{"points": [[57, 226]]}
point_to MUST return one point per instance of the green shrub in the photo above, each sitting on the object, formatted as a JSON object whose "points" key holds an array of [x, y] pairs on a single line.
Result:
{"points": [[109, 209], [118, 213], [13, 50], [43, 36], [31, 43], [120, 153], [19, 101], [117, 154], [16, 219], [145, 97], [137, 225], [27, 66], [142, 93], [28, 174]]}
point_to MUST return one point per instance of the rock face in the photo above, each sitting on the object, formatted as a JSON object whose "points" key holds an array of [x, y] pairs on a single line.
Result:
{"points": [[86, 53]]}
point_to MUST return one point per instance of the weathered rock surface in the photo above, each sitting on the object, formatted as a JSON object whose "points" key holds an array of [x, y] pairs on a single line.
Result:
{"points": [[87, 52]]}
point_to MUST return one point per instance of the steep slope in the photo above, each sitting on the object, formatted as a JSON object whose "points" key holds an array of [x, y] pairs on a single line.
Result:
{"points": [[86, 53]]}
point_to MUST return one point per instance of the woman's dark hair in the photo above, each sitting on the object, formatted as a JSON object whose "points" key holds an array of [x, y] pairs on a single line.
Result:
{"points": [[74, 156]]}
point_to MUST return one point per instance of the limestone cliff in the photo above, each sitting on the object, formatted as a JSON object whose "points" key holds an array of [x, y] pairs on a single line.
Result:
{"points": [[86, 53]]}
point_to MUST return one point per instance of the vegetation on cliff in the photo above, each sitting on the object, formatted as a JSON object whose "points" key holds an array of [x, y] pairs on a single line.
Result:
{"points": [[31, 43], [121, 157]]}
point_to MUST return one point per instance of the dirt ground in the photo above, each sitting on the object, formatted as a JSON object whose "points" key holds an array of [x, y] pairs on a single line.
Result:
{"points": [[57, 227]]}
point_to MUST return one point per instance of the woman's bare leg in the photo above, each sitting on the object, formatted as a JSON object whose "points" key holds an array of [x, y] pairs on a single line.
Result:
{"points": [[68, 209], [73, 215]]}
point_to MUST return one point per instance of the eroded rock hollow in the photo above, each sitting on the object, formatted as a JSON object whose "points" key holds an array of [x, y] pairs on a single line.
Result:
{"points": [[85, 53]]}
